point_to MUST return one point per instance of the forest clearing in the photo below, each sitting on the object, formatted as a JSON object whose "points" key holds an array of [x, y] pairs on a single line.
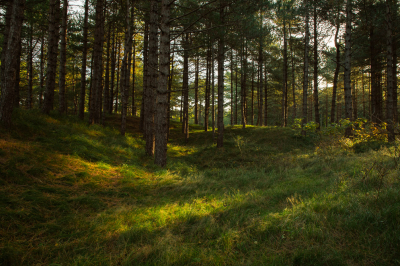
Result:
{"points": [[199, 132]]}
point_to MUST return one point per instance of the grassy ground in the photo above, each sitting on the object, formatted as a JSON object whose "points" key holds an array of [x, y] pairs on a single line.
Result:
{"points": [[77, 195]]}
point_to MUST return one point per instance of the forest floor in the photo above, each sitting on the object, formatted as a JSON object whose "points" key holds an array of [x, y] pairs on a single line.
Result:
{"points": [[73, 194]]}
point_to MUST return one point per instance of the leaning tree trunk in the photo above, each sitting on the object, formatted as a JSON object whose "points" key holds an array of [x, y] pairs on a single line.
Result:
{"points": [[305, 80], [160, 157], [84, 58], [389, 72], [12, 39], [149, 107], [221, 59], [316, 100], [52, 51], [62, 105], [347, 70]]}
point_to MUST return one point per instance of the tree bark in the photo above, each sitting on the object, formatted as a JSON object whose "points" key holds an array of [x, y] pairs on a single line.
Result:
{"points": [[221, 59], [285, 79], [12, 39], [62, 105], [347, 71], [196, 92], [185, 88], [52, 51], [84, 58], [316, 100], [106, 107], [305, 79], [389, 72], [149, 107], [162, 92], [336, 76], [30, 69], [145, 77]]}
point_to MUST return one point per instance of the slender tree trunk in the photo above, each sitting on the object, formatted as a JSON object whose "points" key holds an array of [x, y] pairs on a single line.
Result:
{"points": [[62, 107], [316, 100], [170, 80], [95, 108], [347, 71], [236, 93], [118, 77], [207, 96], [52, 51], [133, 78], [149, 108], [305, 80], [41, 77], [145, 92], [125, 70], [231, 87], [221, 59], [243, 85], [11, 41], [185, 88], [285, 79], [162, 93], [106, 107], [30, 68], [260, 65], [293, 72], [336, 76], [252, 95], [212, 91], [265, 96], [196, 92], [84, 58], [389, 72]]}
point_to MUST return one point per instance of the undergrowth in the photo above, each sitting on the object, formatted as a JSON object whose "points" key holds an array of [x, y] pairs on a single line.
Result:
{"points": [[73, 194]]}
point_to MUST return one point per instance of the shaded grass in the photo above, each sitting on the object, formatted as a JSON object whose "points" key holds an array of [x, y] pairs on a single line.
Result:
{"points": [[73, 194]]}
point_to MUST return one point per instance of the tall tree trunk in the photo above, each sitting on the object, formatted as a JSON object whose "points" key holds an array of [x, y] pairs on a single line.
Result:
{"points": [[11, 41], [170, 80], [212, 91], [30, 68], [95, 108], [162, 89], [84, 58], [145, 77], [221, 59], [347, 71], [305, 80], [62, 107], [265, 96], [185, 88], [207, 96], [118, 77], [196, 92], [231, 87], [149, 107], [106, 107], [285, 79], [243, 85], [126, 68], [336, 76], [252, 95], [293, 72], [52, 51], [316, 100], [41, 75], [133, 78], [18, 77], [260, 65], [389, 72], [236, 92]]}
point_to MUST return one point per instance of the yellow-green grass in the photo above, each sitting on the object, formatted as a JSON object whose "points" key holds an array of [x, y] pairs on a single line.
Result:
{"points": [[73, 194]]}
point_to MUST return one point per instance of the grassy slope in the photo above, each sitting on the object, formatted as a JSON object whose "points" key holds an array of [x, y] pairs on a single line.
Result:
{"points": [[77, 195]]}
